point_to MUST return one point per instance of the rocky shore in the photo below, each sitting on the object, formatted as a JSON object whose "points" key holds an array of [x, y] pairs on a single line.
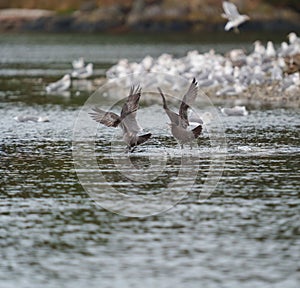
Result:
{"points": [[143, 15]]}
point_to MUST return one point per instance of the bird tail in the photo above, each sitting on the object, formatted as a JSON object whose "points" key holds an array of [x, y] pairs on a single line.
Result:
{"points": [[197, 131]]}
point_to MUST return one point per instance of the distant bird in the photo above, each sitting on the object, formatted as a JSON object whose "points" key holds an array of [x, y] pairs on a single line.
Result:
{"points": [[234, 17], [31, 118], [204, 119], [235, 111], [293, 38], [270, 50], [179, 122], [127, 120], [59, 86], [78, 63], [84, 72]]}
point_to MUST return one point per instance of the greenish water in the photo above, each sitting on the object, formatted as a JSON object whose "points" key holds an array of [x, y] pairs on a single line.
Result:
{"points": [[53, 234]]}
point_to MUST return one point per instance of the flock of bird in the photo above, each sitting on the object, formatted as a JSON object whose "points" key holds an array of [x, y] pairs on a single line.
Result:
{"points": [[230, 74]]}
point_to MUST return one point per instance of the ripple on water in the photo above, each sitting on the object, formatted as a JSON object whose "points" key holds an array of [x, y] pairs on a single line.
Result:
{"points": [[53, 233]]}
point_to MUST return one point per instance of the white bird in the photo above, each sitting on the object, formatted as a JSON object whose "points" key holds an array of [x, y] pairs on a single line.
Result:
{"points": [[31, 118], [270, 51], [78, 63], [234, 17], [195, 119], [84, 72], [231, 90], [235, 111], [293, 38], [59, 86]]}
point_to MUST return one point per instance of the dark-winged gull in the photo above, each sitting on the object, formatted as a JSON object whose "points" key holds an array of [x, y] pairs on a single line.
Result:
{"points": [[233, 16], [179, 122], [127, 120]]}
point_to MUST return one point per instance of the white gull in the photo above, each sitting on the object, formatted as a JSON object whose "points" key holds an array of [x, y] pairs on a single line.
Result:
{"points": [[234, 17]]}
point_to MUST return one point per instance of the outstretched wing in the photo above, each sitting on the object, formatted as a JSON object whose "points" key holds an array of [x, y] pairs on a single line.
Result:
{"points": [[230, 10], [128, 113], [188, 100], [132, 102], [108, 119], [174, 117]]}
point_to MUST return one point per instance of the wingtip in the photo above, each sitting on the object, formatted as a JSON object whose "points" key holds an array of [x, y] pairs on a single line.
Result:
{"points": [[197, 131], [135, 89], [195, 81]]}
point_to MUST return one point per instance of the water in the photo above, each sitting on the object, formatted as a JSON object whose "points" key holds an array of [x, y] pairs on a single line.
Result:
{"points": [[53, 234]]}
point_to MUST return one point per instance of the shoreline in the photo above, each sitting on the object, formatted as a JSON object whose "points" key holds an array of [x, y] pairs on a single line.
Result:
{"points": [[156, 18]]}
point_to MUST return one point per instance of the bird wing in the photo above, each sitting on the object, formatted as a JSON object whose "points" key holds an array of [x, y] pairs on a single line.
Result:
{"points": [[230, 10], [108, 119], [188, 100], [143, 138], [129, 109], [174, 117], [197, 131]]}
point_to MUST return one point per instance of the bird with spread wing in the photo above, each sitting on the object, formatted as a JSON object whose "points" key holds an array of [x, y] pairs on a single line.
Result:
{"points": [[179, 122], [127, 120], [233, 16]]}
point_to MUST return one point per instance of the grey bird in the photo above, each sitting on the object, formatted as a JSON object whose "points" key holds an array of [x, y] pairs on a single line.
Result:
{"points": [[61, 85], [179, 122], [127, 120]]}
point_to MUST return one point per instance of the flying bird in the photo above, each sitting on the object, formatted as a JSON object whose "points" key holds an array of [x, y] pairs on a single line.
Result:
{"points": [[179, 122], [233, 16], [127, 120]]}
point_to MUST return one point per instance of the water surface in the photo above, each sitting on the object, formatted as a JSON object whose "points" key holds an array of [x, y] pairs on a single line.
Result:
{"points": [[53, 234]]}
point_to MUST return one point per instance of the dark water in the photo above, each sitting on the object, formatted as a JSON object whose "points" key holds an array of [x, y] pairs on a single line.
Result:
{"points": [[53, 233]]}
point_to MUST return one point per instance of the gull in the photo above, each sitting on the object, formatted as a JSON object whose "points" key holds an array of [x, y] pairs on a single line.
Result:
{"points": [[127, 120], [234, 17], [61, 85], [235, 111], [78, 63], [31, 118], [83, 72], [231, 90], [179, 122], [270, 50], [293, 38], [195, 119]]}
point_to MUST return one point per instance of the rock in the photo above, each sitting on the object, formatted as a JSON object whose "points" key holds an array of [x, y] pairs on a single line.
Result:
{"points": [[100, 19], [19, 19]]}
